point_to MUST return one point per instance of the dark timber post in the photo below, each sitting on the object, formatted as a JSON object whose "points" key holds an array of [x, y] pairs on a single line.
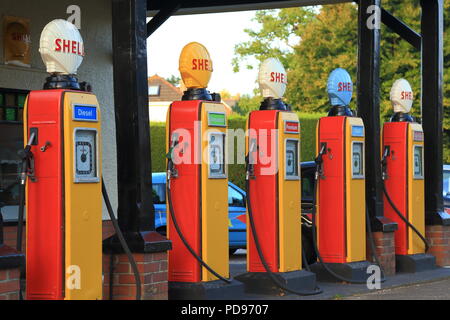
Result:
{"points": [[432, 25], [369, 20], [134, 178]]}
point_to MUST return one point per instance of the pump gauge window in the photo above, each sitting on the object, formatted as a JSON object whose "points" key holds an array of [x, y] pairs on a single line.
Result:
{"points": [[291, 160], [358, 160], [418, 162], [216, 155], [86, 155]]}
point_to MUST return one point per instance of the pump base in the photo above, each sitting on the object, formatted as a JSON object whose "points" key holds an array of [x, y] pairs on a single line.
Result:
{"points": [[261, 283], [412, 263], [355, 271], [212, 290]]}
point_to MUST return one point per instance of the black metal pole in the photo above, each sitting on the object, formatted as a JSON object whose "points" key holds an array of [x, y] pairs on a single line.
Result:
{"points": [[369, 107], [134, 178], [432, 29]]}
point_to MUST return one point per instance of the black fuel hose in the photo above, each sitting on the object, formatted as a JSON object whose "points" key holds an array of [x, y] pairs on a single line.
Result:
{"points": [[314, 236], [123, 242], [20, 216], [183, 239], [271, 274], [401, 216]]}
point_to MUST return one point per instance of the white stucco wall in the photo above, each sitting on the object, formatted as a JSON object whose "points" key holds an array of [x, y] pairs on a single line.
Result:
{"points": [[96, 68]]}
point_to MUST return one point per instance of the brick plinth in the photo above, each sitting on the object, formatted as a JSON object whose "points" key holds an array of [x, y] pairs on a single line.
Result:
{"points": [[385, 249], [9, 284], [439, 239], [153, 275]]}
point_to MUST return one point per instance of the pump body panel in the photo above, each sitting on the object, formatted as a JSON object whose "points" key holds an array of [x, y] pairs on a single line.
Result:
{"points": [[405, 183], [199, 193], [341, 190], [275, 192], [64, 208]]}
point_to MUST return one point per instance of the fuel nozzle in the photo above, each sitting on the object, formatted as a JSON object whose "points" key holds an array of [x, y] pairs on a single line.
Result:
{"points": [[28, 159], [172, 171], [386, 154], [250, 166], [319, 161]]}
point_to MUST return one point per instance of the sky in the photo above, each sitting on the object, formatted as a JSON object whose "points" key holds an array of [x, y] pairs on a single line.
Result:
{"points": [[219, 33]]}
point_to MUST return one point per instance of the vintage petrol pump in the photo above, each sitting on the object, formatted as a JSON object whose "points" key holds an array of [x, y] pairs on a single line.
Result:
{"points": [[274, 253], [197, 182], [341, 206], [403, 176], [63, 196]]}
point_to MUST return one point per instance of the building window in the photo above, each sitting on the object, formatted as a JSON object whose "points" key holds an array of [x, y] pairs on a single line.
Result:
{"points": [[11, 105], [153, 90], [11, 141]]}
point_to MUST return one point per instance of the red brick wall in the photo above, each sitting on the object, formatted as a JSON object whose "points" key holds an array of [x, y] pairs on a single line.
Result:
{"points": [[10, 234], [385, 249], [153, 274], [9, 284], [439, 239]]}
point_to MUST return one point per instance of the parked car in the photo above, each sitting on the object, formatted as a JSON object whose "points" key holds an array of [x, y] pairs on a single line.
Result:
{"points": [[237, 210], [446, 189]]}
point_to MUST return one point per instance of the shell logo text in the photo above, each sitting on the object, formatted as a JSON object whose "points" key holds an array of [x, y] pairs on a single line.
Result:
{"points": [[345, 86], [69, 46], [278, 77], [407, 95], [201, 64]]}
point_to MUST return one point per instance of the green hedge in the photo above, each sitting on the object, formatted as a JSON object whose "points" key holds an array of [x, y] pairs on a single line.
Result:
{"points": [[236, 172]]}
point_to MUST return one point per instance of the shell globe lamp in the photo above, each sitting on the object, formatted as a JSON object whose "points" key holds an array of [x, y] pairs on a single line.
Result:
{"points": [[196, 67], [340, 91], [272, 80], [402, 98], [62, 50]]}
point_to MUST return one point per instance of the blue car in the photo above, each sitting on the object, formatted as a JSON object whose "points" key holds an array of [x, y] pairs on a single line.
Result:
{"points": [[236, 211], [446, 188]]}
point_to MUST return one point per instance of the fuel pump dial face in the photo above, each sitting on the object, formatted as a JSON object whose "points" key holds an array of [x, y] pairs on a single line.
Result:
{"points": [[85, 155], [291, 158], [216, 155]]}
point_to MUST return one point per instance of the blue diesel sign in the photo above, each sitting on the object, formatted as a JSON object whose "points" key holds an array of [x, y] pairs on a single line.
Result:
{"points": [[85, 113]]}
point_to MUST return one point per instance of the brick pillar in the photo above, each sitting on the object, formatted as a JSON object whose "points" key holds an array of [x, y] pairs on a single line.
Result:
{"points": [[153, 275], [438, 237], [385, 249], [9, 284]]}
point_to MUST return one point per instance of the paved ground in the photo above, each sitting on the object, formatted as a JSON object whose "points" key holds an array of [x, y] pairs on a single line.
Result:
{"points": [[437, 290], [430, 285]]}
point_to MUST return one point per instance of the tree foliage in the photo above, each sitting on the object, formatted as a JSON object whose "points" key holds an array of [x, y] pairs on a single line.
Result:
{"points": [[311, 42]]}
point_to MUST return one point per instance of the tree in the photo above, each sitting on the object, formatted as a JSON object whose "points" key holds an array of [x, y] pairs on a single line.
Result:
{"points": [[327, 39], [247, 103], [174, 80]]}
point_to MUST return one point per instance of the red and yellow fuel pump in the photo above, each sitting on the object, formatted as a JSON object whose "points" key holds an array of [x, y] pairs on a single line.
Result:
{"points": [[197, 183], [341, 207], [274, 253], [403, 177], [63, 197]]}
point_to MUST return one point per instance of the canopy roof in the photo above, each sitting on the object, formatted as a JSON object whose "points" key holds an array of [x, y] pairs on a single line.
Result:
{"points": [[213, 6]]}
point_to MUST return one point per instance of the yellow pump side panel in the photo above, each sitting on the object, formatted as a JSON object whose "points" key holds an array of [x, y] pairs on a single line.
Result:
{"points": [[83, 211], [214, 205], [355, 199], [289, 202], [416, 198]]}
